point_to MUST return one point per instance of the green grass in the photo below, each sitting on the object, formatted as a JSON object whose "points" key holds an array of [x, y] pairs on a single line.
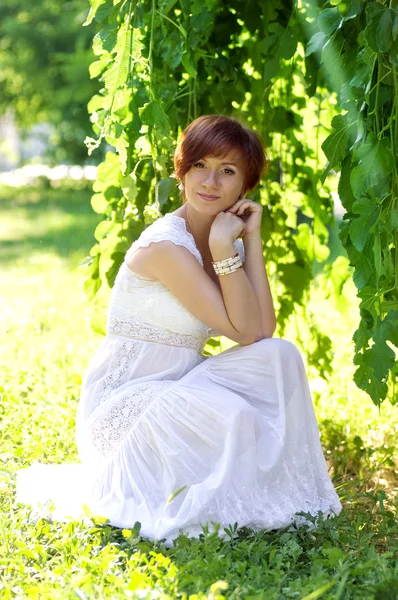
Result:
{"points": [[46, 343]]}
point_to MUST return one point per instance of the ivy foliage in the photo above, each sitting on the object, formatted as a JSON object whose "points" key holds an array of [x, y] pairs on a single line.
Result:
{"points": [[162, 63], [359, 42]]}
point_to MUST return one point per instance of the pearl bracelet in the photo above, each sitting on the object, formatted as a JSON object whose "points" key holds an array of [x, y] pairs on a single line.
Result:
{"points": [[228, 265], [226, 262], [227, 270]]}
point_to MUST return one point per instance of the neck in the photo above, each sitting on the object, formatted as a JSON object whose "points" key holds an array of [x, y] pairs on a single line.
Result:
{"points": [[198, 225]]}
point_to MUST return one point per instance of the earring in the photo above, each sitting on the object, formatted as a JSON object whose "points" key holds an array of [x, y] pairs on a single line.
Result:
{"points": [[180, 186]]}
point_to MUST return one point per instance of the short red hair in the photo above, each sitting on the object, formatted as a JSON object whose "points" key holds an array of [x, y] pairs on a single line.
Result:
{"points": [[216, 135]]}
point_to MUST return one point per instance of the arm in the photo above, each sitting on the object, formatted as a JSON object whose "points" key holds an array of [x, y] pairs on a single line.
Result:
{"points": [[256, 272], [234, 313], [239, 296]]}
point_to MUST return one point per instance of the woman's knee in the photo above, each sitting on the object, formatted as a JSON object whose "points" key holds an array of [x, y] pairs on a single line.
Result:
{"points": [[283, 347]]}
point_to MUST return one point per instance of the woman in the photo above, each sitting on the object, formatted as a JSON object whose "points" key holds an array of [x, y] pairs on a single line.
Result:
{"points": [[167, 436]]}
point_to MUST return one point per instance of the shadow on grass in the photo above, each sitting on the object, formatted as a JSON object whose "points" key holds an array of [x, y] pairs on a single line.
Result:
{"points": [[37, 221]]}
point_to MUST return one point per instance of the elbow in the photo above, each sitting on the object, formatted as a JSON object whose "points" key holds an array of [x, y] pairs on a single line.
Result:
{"points": [[269, 328], [264, 333], [269, 331]]}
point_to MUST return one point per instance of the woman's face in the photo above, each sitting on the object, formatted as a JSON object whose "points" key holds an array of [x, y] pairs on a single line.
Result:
{"points": [[213, 184]]}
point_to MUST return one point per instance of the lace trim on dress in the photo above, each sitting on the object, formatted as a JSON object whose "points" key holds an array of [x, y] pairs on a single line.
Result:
{"points": [[168, 228], [141, 330], [109, 432], [126, 354], [173, 228]]}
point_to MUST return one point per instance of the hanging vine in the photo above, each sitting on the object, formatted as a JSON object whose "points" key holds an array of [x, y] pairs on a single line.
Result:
{"points": [[164, 62], [360, 40]]}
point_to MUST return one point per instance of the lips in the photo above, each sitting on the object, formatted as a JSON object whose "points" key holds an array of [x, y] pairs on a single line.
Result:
{"points": [[208, 197]]}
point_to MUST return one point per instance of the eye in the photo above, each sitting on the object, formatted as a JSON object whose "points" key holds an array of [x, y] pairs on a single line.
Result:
{"points": [[198, 164], [230, 171]]}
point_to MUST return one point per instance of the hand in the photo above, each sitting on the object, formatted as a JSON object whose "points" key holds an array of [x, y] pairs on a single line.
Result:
{"points": [[226, 228], [250, 212]]}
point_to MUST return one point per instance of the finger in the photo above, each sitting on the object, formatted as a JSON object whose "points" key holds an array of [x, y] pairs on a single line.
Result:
{"points": [[246, 206], [250, 206], [236, 205]]}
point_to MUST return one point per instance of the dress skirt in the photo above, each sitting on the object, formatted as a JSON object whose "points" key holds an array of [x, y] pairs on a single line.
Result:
{"points": [[229, 439]]}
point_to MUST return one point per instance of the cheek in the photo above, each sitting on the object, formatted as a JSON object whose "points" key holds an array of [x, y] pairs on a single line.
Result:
{"points": [[233, 183], [190, 178]]}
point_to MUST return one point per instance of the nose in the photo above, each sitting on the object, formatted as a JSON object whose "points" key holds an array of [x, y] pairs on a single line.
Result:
{"points": [[211, 179]]}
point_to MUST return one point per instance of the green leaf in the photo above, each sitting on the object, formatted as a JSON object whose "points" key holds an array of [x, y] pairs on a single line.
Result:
{"points": [[316, 43], [108, 173], [95, 4], [117, 75], [271, 69], [344, 187], [189, 65], [395, 26], [102, 229], [375, 160], [368, 297], [361, 77], [287, 44], [320, 591], [362, 336], [364, 268], [121, 145], [390, 327], [175, 494], [360, 230], [329, 20], [335, 145], [113, 268], [374, 13], [153, 115], [164, 188], [98, 66], [380, 357], [365, 380], [354, 9], [332, 63], [99, 203], [92, 282], [394, 53], [105, 40], [129, 187], [384, 31]]}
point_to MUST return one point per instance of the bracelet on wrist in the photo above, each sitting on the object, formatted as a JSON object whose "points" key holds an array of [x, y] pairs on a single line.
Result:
{"points": [[226, 262], [230, 270], [228, 265]]}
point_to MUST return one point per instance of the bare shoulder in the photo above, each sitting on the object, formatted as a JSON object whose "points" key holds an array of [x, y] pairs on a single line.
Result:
{"points": [[156, 259], [178, 269]]}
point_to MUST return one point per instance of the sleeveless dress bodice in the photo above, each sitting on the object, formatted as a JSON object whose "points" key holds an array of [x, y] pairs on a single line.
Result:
{"points": [[145, 309]]}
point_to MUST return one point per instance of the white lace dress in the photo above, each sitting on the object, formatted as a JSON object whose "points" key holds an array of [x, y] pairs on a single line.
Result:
{"points": [[235, 434]]}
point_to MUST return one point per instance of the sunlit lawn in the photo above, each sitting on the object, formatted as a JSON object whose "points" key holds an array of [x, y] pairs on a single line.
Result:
{"points": [[46, 343]]}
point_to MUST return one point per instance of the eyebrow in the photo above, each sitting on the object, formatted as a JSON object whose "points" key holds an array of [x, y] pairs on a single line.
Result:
{"points": [[227, 163]]}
